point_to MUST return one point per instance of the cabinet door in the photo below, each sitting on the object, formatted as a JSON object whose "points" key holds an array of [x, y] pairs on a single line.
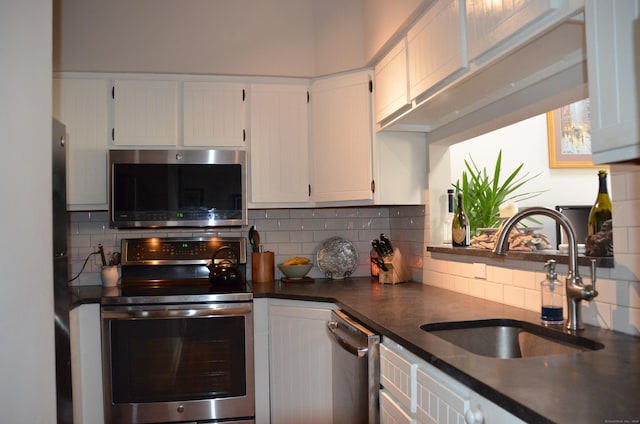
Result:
{"points": [[214, 114], [390, 88], [86, 364], [437, 401], [391, 412], [437, 49], [81, 104], [300, 364], [279, 143], [145, 113], [491, 23], [341, 138], [612, 59]]}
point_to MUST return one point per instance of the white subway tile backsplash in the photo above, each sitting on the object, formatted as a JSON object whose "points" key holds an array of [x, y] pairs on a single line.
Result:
{"points": [[633, 295], [461, 284], [338, 224], [494, 291], [477, 288], [532, 300], [448, 282], [625, 213], [275, 237], [299, 213], [627, 267], [598, 314], [300, 236], [289, 224], [501, 275], [310, 224], [612, 292], [514, 296], [633, 240], [524, 279]]}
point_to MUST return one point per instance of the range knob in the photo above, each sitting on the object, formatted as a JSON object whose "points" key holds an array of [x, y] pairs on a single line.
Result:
{"points": [[180, 408]]}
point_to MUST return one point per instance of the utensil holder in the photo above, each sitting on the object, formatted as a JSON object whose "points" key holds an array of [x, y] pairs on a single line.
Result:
{"points": [[397, 272], [110, 275], [262, 264]]}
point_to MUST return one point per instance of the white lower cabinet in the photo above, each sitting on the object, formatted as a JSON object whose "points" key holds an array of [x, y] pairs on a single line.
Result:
{"points": [[299, 362], [86, 364], [391, 412], [414, 391]]}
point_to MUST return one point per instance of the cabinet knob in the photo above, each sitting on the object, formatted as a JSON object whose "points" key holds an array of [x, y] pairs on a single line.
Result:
{"points": [[473, 416], [178, 156]]}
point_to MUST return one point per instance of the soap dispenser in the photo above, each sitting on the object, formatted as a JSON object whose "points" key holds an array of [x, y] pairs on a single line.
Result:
{"points": [[551, 289]]}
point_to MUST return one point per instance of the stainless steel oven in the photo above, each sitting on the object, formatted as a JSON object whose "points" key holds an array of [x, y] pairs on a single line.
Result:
{"points": [[176, 347]]}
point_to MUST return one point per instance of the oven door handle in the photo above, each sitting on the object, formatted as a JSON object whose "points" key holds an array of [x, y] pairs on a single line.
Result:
{"points": [[176, 313]]}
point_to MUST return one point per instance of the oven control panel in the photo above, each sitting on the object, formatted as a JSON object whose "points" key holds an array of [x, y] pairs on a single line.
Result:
{"points": [[180, 251]]}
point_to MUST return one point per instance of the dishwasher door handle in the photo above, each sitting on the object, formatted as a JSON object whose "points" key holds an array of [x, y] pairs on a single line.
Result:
{"points": [[359, 351]]}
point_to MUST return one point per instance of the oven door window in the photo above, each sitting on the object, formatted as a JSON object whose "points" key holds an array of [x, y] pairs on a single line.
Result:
{"points": [[159, 360]]}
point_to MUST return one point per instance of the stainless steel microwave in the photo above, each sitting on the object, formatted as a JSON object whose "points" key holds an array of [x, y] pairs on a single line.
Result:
{"points": [[177, 188]]}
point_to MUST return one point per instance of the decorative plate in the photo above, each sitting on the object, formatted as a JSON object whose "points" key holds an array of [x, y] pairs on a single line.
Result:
{"points": [[337, 258]]}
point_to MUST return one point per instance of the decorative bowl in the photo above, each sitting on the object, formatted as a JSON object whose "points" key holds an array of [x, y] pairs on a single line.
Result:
{"points": [[295, 272]]}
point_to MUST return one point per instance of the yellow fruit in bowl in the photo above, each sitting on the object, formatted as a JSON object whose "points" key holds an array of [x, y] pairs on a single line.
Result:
{"points": [[296, 260]]}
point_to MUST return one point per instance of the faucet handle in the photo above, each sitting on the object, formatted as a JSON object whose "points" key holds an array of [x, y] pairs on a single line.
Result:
{"points": [[593, 274]]}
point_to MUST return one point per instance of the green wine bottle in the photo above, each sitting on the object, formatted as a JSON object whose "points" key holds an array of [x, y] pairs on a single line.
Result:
{"points": [[460, 229], [601, 210]]}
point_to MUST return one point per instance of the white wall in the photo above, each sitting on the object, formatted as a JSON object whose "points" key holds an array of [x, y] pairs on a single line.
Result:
{"points": [[243, 37], [524, 142], [27, 383], [300, 38]]}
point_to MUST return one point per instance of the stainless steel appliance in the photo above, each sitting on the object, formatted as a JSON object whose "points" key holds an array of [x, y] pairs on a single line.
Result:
{"points": [[169, 188], [178, 347], [61, 275], [356, 371]]}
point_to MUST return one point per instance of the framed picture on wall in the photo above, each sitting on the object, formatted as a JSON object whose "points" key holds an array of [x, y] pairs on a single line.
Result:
{"points": [[569, 135]]}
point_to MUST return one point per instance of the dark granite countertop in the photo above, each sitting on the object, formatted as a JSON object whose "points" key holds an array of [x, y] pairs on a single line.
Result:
{"points": [[590, 387]]}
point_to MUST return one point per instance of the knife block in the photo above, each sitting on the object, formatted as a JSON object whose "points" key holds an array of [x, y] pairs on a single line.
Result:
{"points": [[397, 270], [262, 269]]}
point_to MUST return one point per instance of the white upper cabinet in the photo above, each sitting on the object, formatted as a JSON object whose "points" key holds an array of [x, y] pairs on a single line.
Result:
{"points": [[279, 143], [145, 113], [214, 114], [612, 30], [437, 47], [491, 23], [390, 88], [81, 104], [341, 138]]}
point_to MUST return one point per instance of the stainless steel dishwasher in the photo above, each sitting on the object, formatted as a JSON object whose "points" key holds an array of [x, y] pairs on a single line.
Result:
{"points": [[356, 371]]}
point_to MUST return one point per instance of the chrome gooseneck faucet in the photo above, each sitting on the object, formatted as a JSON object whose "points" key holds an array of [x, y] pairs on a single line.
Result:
{"points": [[576, 290]]}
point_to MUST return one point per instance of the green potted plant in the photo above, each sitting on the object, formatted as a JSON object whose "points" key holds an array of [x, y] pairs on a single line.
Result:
{"points": [[484, 192]]}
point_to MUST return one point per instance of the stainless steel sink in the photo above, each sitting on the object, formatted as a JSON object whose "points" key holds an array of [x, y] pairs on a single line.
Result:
{"points": [[507, 338]]}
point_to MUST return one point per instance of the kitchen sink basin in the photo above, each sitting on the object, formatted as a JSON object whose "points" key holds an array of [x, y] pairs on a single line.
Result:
{"points": [[507, 338]]}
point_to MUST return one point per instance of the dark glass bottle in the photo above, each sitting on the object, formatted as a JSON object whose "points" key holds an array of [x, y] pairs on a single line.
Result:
{"points": [[601, 210], [460, 230], [448, 219]]}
